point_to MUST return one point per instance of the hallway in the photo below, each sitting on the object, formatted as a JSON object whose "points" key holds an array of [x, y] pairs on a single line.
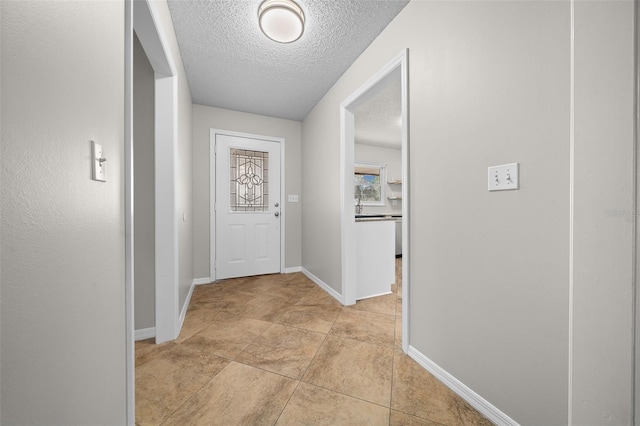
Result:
{"points": [[277, 349]]}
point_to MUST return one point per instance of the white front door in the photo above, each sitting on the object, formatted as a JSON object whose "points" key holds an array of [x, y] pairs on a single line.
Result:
{"points": [[247, 206]]}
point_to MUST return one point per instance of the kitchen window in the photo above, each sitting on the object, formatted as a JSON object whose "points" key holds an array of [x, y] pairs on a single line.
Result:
{"points": [[369, 184]]}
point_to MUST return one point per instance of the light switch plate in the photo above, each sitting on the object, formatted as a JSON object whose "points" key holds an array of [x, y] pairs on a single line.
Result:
{"points": [[293, 198], [504, 177], [98, 167]]}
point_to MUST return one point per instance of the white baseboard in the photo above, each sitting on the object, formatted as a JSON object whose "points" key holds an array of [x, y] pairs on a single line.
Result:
{"points": [[476, 401], [323, 285], [185, 307], [144, 333], [376, 295], [293, 270], [147, 333]]}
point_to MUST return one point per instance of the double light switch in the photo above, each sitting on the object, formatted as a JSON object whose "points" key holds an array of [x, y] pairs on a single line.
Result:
{"points": [[504, 177]]}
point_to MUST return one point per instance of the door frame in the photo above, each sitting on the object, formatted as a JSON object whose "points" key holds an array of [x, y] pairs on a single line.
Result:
{"points": [[212, 193], [347, 158], [636, 225], [130, 391], [142, 16], [145, 24]]}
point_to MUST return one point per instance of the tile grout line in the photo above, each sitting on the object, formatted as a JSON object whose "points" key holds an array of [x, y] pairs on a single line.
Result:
{"points": [[317, 351], [347, 395], [193, 395], [284, 407], [311, 362], [333, 390], [392, 347]]}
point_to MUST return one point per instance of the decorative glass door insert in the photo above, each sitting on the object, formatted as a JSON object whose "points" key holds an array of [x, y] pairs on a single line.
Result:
{"points": [[249, 179]]}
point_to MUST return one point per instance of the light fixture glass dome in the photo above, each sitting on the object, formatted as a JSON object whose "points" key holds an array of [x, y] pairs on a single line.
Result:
{"points": [[281, 20]]}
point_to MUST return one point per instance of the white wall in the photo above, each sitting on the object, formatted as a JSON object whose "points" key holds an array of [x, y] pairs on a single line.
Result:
{"points": [[490, 83], [63, 294], [604, 213], [183, 161], [1, 156], [637, 242], [321, 207], [184, 184], [206, 118], [392, 158], [144, 189]]}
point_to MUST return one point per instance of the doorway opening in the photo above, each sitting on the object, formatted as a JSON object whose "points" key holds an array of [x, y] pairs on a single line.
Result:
{"points": [[394, 74], [142, 17], [167, 321]]}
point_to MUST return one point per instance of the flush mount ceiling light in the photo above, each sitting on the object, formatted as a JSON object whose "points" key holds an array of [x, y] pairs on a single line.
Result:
{"points": [[281, 20]]}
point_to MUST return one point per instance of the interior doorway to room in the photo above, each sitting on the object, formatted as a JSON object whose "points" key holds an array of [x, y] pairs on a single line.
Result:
{"points": [[143, 193], [144, 22], [374, 123], [141, 17], [247, 213]]}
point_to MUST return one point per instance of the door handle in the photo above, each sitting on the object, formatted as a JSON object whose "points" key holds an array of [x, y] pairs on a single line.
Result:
{"points": [[277, 214]]}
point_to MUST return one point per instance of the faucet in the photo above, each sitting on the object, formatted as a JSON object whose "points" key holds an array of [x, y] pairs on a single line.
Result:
{"points": [[359, 205]]}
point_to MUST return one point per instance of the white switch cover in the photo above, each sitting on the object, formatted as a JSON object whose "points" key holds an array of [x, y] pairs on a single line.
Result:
{"points": [[293, 198], [504, 177], [98, 167]]}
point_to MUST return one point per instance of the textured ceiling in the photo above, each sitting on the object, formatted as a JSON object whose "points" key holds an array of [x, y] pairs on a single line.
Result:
{"points": [[378, 121], [231, 64]]}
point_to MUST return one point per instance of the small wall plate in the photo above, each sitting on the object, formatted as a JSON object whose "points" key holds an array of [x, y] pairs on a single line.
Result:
{"points": [[504, 177], [98, 171]]}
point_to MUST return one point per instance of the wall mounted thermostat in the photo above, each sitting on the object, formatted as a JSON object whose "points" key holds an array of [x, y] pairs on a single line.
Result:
{"points": [[504, 177], [98, 167]]}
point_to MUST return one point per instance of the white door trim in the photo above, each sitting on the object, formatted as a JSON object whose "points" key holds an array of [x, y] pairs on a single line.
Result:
{"points": [[636, 271], [145, 19], [130, 393], [212, 194], [347, 157], [140, 15]]}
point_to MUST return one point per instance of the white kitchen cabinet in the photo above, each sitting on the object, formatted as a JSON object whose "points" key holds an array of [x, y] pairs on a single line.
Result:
{"points": [[375, 242]]}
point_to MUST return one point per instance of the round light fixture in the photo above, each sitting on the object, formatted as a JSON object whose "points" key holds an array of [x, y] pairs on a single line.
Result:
{"points": [[281, 20]]}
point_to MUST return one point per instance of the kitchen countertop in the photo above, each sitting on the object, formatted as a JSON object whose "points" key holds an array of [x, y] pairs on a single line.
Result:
{"points": [[376, 217]]}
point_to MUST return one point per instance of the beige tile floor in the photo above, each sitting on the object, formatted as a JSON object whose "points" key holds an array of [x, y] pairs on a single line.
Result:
{"points": [[277, 350]]}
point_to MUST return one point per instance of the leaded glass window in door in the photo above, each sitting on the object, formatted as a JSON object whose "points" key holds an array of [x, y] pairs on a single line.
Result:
{"points": [[249, 179]]}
